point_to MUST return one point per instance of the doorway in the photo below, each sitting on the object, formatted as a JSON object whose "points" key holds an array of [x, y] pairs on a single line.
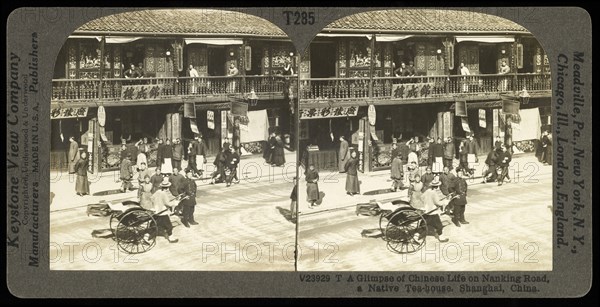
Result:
{"points": [[487, 59], [216, 61], [323, 58], [256, 61]]}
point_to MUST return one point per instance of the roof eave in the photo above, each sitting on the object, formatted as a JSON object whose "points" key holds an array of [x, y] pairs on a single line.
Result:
{"points": [[423, 32], [176, 34]]}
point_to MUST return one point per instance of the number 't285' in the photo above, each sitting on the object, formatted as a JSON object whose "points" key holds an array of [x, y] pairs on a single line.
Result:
{"points": [[299, 18]]}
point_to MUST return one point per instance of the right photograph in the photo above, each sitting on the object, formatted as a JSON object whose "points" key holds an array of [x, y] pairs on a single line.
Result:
{"points": [[424, 145]]}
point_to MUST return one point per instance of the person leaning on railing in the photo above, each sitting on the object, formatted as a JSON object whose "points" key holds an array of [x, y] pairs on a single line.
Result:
{"points": [[464, 71], [232, 72], [193, 74], [504, 69]]}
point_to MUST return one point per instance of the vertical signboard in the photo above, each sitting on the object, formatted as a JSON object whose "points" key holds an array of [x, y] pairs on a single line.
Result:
{"points": [[224, 133], [482, 119], [210, 120]]}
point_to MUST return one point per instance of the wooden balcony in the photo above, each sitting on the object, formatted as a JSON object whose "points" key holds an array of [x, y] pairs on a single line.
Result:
{"points": [[421, 88], [153, 90]]}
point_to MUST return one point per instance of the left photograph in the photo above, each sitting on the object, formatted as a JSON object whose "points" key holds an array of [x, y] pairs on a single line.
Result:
{"points": [[173, 139]]}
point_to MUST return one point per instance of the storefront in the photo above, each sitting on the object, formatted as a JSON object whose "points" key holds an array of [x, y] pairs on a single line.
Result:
{"points": [[132, 123], [486, 121], [222, 122], [403, 122], [64, 124], [319, 132]]}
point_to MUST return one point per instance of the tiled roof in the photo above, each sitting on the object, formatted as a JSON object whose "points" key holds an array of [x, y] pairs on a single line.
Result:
{"points": [[425, 20], [183, 21]]}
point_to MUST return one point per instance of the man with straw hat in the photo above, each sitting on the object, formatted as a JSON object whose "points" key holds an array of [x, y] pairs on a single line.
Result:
{"points": [[433, 208], [163, 204]]}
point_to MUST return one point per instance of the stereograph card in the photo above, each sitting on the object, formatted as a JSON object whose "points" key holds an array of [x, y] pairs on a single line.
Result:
{"points": [[299, 152]]}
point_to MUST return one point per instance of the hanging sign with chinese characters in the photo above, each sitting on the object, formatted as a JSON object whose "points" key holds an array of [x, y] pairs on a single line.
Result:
{"points": [[465, 124], [372, 114], [482, 119], [210, 120], [328, 112], [194, 127], [412, 90], [101, 116], [59, 112], [141, 92]]}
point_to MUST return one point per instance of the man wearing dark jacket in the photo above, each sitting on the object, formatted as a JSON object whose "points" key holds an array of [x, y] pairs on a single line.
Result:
{"points": [[270, 149], [427, 178], [126, 174], [177, 154], [436, 150], [447, 179], [188, 204], [220, 162], [177, 181], [503, 161], [449, 153], [491, 161], [159, 152], [459, 188], [231, 167], [156, 180], [404, 151]]}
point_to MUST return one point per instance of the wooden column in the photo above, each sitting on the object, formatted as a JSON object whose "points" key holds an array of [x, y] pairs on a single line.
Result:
{"points": [[176, 120], [448, 124], [440, 124], [93, 142], [100, 85], [508, 134], [363, 127], [168, 126], [513, 64], [448, 56], [371, 68], [242, 66]]}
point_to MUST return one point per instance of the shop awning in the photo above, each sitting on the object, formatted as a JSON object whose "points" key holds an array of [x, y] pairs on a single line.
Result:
{"points": [[390, 37], [481, 104], [214, 41], [485, 39], [368, 36], [109, 39], [119, 39], [83, 36], [213, 106]]}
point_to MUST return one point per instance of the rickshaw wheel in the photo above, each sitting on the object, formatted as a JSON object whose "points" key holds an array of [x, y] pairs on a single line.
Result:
{"points": [[116, 215], [406, 231], [136, 231], [386, 215]]}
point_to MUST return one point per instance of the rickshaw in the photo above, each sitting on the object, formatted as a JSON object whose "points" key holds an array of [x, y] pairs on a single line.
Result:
{"points": [[133, 227], [404, 227]]}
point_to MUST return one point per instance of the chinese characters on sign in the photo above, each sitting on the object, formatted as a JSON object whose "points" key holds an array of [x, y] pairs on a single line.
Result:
{"points": [[75, 112], [210, 120], [412, 90], [141, 92], [327, 112], [482, 119]]}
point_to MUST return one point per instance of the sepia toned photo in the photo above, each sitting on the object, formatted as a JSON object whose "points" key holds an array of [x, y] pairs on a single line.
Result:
{"points": [[253, 152], [173, 138], [425, 144]]}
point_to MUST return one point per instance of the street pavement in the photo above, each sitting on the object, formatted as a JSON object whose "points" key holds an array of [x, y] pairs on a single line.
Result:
{"points": [[244, 227], [510, 226], [247, 227]]}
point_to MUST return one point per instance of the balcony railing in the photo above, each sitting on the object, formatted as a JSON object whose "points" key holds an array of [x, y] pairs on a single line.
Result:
{"points": [[419, 86], [170, 87]]}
